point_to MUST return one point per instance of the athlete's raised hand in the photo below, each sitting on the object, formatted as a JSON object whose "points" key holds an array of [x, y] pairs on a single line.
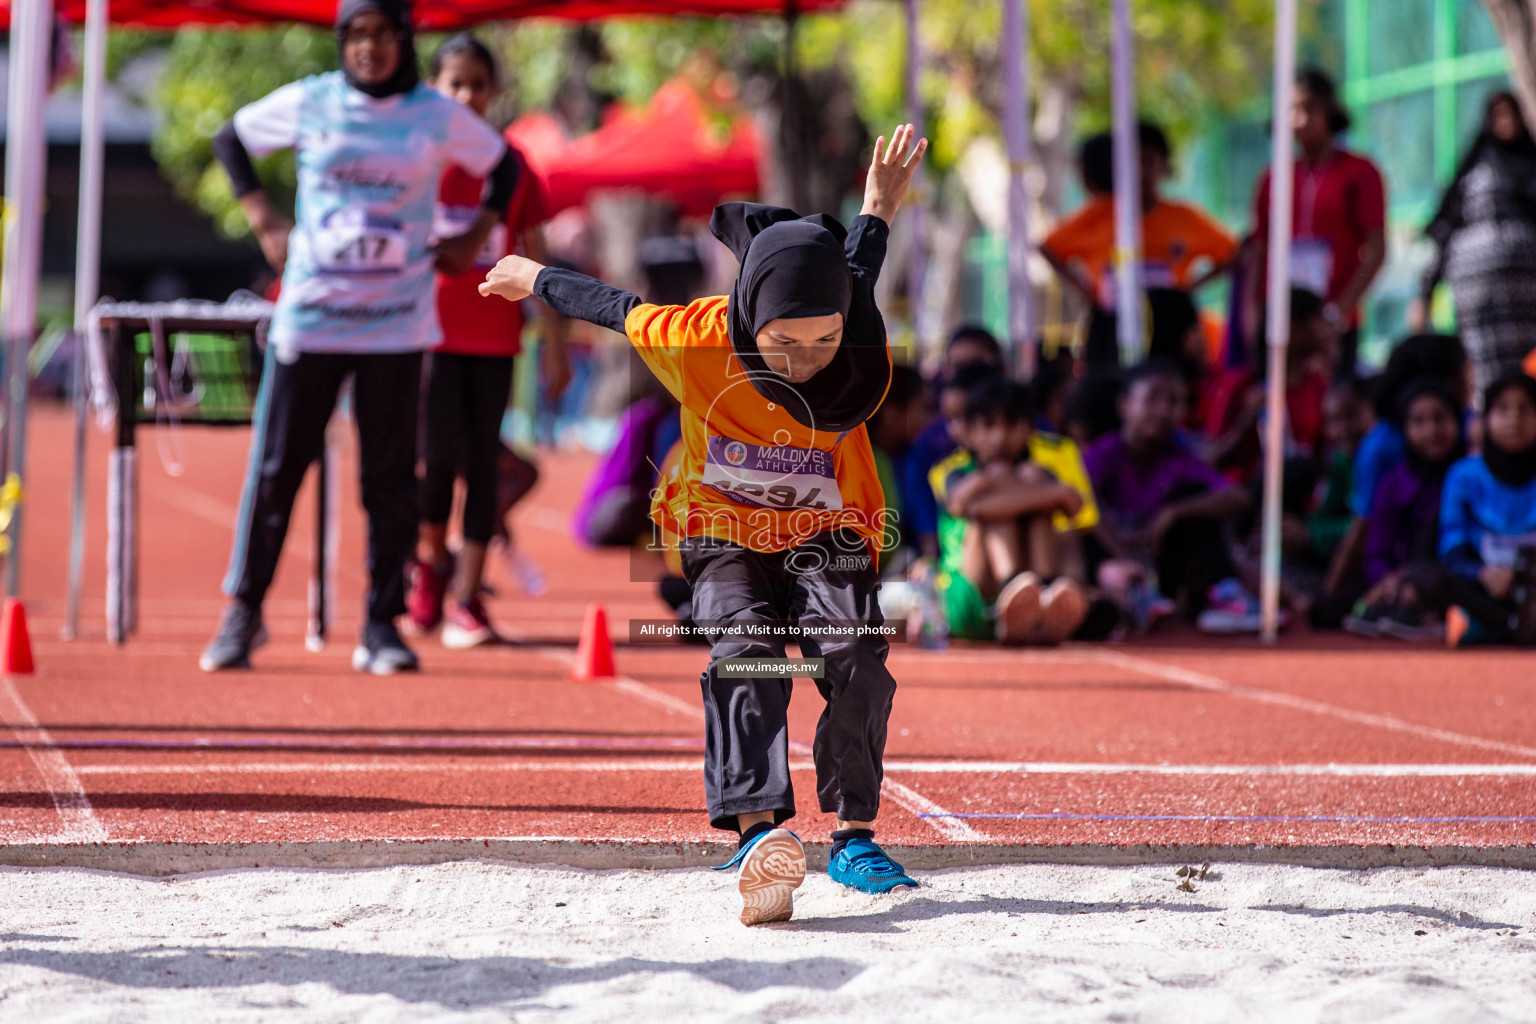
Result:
{"points": [[891, 170], [512, 278]]}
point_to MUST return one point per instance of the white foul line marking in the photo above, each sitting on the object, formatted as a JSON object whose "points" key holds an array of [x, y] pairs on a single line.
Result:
{"points": [[68, 795], [478, 766], [923, 809], [1213, 684], [927, 811]]}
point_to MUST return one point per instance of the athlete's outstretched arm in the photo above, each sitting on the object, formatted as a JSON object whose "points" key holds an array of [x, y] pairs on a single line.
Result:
{"points": [[890, 175], [565, 291], [890, 172]]}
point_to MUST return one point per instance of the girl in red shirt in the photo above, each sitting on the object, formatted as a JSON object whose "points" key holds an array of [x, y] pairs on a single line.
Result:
{"points": [[469, 376]]}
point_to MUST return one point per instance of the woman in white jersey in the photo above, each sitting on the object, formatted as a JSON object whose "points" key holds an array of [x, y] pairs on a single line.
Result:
{"points": [[357, 301]]}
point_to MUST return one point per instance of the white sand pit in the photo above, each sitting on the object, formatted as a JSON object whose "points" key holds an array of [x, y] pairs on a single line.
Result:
{"points": [[498, 942]]}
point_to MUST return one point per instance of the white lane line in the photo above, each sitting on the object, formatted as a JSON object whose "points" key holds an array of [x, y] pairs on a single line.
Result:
{"points": [[366, 767], [1341, 771], [923, 809], [216, 510], [542, 517], [64, 788], [660, 698], [929, 813], [199, 503], [1213, 684], [1346, 771], [633, 687]]}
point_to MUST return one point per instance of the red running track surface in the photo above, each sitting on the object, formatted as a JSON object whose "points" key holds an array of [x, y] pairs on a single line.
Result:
{"points": [[1323, 742]]}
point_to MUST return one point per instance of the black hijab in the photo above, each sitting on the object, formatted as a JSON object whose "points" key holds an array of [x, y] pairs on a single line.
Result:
{"points": [[794, 267], [406, 73], [1513, 469], [1440, 390]]}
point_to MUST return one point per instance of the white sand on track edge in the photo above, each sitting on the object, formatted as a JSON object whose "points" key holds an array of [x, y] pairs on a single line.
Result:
{"points": [[497, 942]]}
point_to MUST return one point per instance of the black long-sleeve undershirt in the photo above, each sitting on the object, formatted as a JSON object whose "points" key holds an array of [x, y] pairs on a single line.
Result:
{"points": [[576, 295], [232, 155], [585, 298]]}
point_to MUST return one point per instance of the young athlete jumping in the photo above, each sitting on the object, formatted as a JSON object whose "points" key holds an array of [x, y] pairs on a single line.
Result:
{"points": [[777, 509]]}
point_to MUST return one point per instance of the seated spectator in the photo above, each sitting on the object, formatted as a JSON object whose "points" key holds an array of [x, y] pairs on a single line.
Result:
{"points": [[615, 508], [1182, 246], [1436, 356], [1236, 402], [893, 429], [1092, 409], [1177, 336], [1347, 416], [1488, 526], [971, 343], [1011, 502], [1050, 389], [1402, 530], [980, 362], [1314, 508], [1161, 507]]}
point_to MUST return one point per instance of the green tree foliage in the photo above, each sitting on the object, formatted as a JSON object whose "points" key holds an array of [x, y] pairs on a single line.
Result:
{"points": [[208, 76], [1193, 56]]}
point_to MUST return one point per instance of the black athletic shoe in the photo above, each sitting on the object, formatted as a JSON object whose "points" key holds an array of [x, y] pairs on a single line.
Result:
{"points": [[381, 651], [240, 632]]}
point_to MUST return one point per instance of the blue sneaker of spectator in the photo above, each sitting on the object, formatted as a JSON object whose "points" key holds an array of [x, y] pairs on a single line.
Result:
{"points": [[862, 865]]}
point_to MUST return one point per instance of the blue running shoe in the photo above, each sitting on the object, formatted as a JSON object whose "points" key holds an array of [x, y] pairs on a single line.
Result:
{"points": [[769, 868], [862, 865]]}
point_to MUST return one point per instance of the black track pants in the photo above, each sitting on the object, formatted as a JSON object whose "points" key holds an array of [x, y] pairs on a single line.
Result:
{"points": [[829, 579], [288, 434], [466, 397]]}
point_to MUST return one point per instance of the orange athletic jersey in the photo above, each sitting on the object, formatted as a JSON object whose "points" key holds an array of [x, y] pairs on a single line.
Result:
{"points": [[1174, 236], [749, 472]]}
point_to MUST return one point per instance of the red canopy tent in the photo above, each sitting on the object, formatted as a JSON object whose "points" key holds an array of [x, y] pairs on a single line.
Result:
{"points": [[670, 148], [430, 15]]}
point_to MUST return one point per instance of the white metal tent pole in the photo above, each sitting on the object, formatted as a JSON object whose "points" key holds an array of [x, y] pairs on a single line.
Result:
{"points": [[26, 162], [1127, 186], [1278, 320], [916, 215], [87, 283], [1016, 132]]}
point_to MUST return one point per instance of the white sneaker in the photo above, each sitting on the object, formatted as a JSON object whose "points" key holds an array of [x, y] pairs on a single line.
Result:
{"points": [[769, 871]]}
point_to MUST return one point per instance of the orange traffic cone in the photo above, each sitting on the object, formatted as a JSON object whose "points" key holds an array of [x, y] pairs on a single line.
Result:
{"points": [[15, 645], [594, 654]]}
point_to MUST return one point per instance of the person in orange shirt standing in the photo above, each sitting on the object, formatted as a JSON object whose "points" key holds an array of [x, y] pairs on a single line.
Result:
{"points": [[777, 508], [1182, 246]]}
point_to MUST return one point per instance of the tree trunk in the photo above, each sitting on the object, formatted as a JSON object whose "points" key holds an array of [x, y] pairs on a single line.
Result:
{"points": [[949, 230], [1516, 21], [815, 139]]}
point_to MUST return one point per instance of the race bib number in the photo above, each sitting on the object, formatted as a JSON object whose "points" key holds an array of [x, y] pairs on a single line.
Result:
{"points": [[354, 241], [452, 221], [1311, 265], [772, 476], [1503, 551]]}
